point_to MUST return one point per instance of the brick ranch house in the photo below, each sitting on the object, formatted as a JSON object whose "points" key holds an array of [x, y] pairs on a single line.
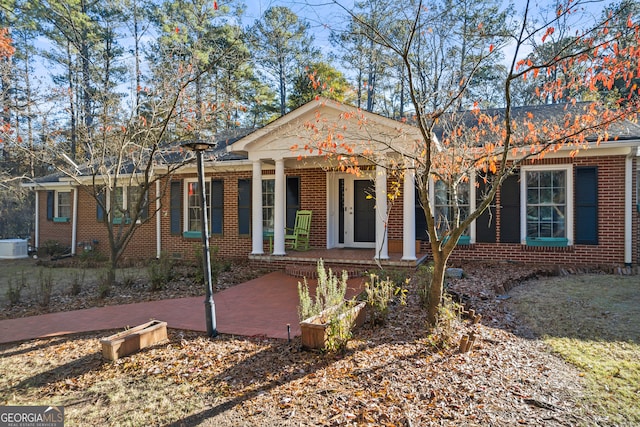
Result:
{"points": [[258, 182]]}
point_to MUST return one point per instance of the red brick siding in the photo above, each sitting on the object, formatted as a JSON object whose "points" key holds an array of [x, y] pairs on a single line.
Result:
{"points": [[313, 197], [49, 230], [610, 248]]}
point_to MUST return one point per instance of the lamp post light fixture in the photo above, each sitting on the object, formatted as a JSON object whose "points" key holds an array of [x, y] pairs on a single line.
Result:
{"points": [[210, 308]]}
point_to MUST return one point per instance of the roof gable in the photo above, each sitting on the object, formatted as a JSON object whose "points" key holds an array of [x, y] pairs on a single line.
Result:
{"points": [[360, 130]]}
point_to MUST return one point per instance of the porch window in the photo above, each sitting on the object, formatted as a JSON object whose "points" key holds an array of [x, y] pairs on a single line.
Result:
{"points": [[268, 204], [547, 206], [445, 208]]}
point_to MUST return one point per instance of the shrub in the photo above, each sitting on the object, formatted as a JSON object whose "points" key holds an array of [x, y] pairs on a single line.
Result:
{"points": [[160, 272], [104, 284], [443, 335], [92, 258], [13, 292], [77, 281], [128, 278], [330, 302], [44, 288], [423, 277], [330, 291], [217, 265], [53, 249], [380, 294]]}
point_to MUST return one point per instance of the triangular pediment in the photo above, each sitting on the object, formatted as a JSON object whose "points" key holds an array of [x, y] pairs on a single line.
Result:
{"points": [[330, 124]]}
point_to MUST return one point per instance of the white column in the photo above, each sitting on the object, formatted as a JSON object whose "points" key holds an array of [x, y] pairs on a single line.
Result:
{"points": [[74, 226], [158, 208], [381, 214], [409, 216], [628, 210], [36, 242], [279, 208], [256, 210]]}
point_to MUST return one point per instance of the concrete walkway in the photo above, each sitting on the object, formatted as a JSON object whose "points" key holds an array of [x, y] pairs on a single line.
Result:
{"points": [[260, 307]]}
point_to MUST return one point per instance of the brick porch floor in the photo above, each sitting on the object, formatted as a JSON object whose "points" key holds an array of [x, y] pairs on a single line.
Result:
{"points": [[260, 307]]}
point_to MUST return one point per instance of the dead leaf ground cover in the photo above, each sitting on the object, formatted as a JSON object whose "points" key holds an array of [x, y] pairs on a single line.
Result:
{"points": [[593, 322], [388, 375]]}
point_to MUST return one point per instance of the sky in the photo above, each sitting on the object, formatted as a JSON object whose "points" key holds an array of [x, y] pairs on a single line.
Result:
{"points": [[322, 15]]}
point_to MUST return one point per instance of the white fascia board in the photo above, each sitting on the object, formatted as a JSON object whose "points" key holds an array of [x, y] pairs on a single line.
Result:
{"points": [[50, 185]]}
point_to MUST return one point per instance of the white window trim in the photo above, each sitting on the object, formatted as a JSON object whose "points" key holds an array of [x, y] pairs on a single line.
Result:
{"points": [[568, 169], [185, 203]]}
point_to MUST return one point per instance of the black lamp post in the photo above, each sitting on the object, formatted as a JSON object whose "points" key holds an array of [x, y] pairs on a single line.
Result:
{"points": [[209, 305]]}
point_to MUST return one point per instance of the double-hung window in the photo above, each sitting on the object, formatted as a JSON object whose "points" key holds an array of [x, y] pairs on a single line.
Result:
{"points": [[268, 204], [124, 202], [194, 207], [214, 193], [448, 203], [548, 206], [63, 205], [59, 205]]}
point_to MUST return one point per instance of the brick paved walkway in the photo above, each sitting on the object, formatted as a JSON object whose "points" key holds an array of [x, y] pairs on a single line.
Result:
{"points": [[263, 306]]}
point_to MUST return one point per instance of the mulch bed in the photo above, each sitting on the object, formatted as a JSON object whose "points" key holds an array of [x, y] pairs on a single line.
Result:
{"points": [[394, 374]]}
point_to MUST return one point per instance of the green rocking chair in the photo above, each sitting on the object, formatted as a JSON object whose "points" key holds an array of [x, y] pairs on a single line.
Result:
{"points": [[297, 238]]}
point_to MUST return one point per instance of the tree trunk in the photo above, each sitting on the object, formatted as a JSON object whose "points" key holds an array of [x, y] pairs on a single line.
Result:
{"points": [[437, 287]]}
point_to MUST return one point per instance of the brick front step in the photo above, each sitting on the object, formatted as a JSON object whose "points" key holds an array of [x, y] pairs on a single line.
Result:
{"points": [[310, 271]]}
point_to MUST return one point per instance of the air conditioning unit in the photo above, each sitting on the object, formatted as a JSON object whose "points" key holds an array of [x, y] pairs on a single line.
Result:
{"points": [[13, 249]]}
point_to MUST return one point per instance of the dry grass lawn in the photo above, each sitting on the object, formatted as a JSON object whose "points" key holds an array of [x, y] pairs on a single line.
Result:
{"points": [[593, 322]]}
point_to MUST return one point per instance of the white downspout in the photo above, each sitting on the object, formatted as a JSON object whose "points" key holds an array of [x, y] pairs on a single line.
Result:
{"points": [[158, 221], [409, 216], [628, 210], [74, 226]]}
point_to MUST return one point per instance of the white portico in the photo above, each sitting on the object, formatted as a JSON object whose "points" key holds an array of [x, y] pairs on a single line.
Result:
{"points": [[317, 136]]}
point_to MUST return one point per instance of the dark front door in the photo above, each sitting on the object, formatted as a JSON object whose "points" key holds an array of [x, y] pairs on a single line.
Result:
{"points": [[364, 221]]}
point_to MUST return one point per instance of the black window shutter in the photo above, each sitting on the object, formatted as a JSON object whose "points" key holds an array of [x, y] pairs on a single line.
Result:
{"points": [[100, 202], [244, 206], [421, 220], [510, 210], [50, 199], [175, 206], [486, 223], [293, 199], [217, 206], [586, 196]]}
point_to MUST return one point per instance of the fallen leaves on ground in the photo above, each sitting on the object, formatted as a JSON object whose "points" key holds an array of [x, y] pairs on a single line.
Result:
{"points": [[390, 375]]}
